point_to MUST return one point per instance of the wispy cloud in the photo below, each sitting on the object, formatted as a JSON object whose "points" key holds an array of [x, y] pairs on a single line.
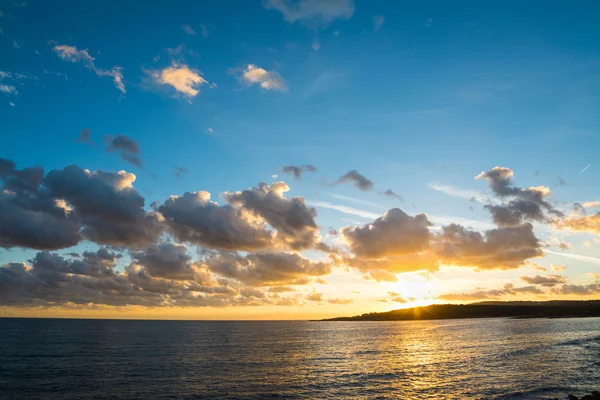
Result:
{"points": [[378, 21], [345, 209], [312, 12], [579, 257], [188, 30], [586, 167], [355, 200], [74, 55], [461, 193]]}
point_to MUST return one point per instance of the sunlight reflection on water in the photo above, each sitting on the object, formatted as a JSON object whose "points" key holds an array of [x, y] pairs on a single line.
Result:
{"points": [[462, 359]]}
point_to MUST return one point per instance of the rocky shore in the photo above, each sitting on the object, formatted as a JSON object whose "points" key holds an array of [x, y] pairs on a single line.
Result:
{"points": [[594, 396]]}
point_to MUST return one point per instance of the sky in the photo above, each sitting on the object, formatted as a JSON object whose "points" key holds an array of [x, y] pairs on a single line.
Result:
{"points": [[283, 159]]}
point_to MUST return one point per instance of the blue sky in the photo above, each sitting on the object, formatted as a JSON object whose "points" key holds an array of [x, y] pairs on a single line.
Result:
{"points": [[414, 96]]}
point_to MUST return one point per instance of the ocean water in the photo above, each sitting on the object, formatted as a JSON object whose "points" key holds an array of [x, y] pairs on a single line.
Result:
{"points": [[455, 359]]}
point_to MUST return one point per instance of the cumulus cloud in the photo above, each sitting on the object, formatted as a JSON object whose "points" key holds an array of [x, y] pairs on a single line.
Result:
{"points": [[398, 243], [74, 55], [171, 261], [110, 209], [395, 233], [312, 12], [267, 269], [298, 170], [128, 148], [184, 80], [522, 205], [293, 220], [502, 248], [254, 75], [194, 218], [354, 177], [547, 281]]}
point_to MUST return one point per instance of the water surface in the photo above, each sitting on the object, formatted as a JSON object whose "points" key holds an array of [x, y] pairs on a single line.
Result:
{"points": [[456, 359]]}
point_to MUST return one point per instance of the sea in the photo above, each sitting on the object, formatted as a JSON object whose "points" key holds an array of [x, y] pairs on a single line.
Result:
{"points": [[443, 359]]}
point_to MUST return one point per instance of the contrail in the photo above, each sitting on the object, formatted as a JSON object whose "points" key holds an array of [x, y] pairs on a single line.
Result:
{"points": [[583, 170]]}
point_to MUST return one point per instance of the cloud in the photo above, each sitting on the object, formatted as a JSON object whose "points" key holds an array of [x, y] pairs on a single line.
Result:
{"points": [[170, 261], [74, 55], [85, 136], [502, 248], [298, 170], [312, 12], [579, 257], [194, 218], [180, 171], [267, 268], [188, 30], [461, 193], [290, 217], [344, 209], [29, 217], [547, 281], [395, 233], [267, 80], [522, 205], [580, 290], [340, 301], [589, 223], [53, 280], [110, 209], [9, 89], [391, 193], [360, 181], [507, 290], [128, 148], [378, 21], [185, 80]]}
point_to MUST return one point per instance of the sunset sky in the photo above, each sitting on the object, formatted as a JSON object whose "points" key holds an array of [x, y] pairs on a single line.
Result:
{"points": [[296, 159]]}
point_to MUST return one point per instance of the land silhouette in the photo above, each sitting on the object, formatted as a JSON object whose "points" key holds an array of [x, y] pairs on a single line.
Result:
{"points": [[486, 309]]}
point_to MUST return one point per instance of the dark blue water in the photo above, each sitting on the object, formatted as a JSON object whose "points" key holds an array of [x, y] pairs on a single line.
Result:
{"points": [[459, 359]]}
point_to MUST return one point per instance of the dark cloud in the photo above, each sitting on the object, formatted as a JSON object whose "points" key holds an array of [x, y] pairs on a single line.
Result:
{"points": [[547, 281], [502, 248], [128, 148], [360, 181], [560, 181], [523, 204], [14, 179], [30, 217], [290, 217], [85, 136], [194, 218], [111, 210], [391, 193], [298, 170], [179, 171], [267, 269], [166, 260]]}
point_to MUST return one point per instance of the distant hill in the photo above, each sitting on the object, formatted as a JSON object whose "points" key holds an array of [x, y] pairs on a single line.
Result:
{"points": [[487, 309]]}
